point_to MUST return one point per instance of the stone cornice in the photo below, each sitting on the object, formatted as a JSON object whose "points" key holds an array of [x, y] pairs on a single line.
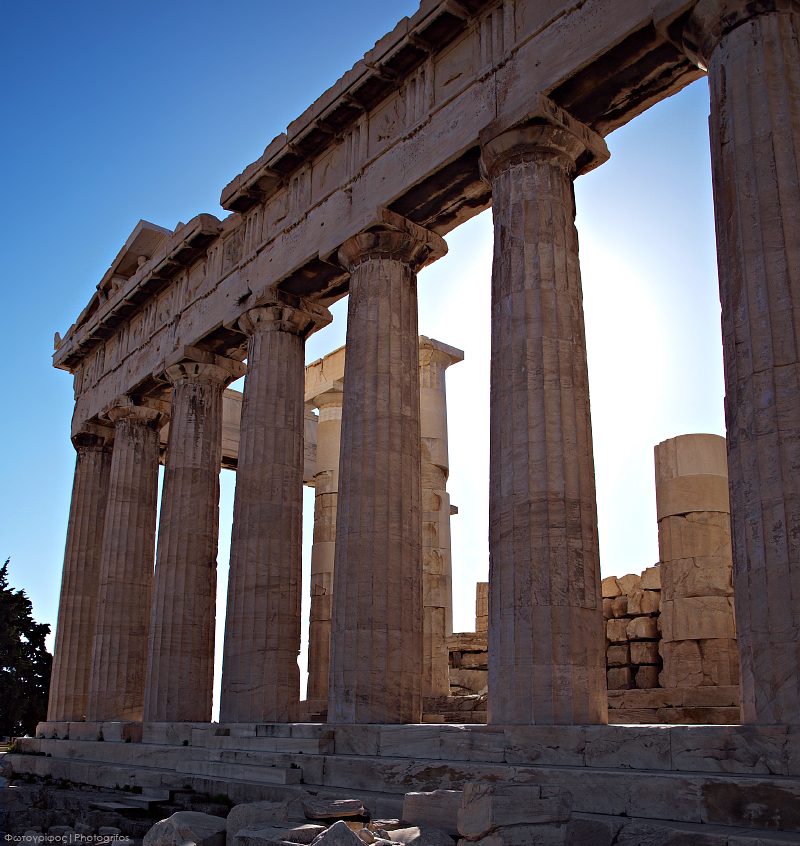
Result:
{"points": [[101, 317]]}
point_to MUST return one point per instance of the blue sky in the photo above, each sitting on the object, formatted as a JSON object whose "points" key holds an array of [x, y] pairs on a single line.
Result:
{"points": [[116, 112]]}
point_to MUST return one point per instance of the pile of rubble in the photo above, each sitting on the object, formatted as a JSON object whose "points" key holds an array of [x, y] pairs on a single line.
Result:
{"points": [[631, 608]]}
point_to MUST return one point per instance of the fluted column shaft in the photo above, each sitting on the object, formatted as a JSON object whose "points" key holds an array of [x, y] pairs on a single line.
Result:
{"points": [[260, 676], [180, 667], [753, 61], [546, 647], [119, 655], [437, 586], [326, 493], [376, 630], [80, 581]]}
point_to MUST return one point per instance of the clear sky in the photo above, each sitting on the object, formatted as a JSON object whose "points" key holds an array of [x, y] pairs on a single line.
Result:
{"points": [[116, 112]]}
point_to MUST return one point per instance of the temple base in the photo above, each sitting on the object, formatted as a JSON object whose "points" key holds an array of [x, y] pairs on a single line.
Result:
{"points": [[730, 776]]}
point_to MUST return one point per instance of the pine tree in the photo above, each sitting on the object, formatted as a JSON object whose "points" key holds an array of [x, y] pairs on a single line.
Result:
{"points": [[24, 663]]}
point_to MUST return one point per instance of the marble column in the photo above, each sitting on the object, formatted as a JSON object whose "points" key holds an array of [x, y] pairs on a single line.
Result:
{"points": [[376, 629], [752, 53], [437, 585], [260, 676], [698, 634], [180, 667], [326, 492], [119, 654], [546, 645], [80, 580]]}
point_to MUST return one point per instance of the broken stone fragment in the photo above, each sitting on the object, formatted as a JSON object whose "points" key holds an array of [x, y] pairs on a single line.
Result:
{"points": [[366, 835], [201, 829], [323, 809], [488, 807], [339, 834], [267, 836], [254, 815], [304, 834], [547, 834], [421, 836]]}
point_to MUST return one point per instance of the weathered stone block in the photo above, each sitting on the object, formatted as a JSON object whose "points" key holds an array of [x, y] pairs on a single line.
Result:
{"points": [[546, 745], [255, 815], [644, 652], [475, 661], [421, 836], [259, 836], [487, 807], [696, 663], [618, 655], [303, 834], [201, 829], [651, 578], [608, 604], [619, 607], [701, 575], [643, 628], [321, 809], [628, 584], [474, 680], [644, 602], [525, 835], [647, 677], [620, 678], [339, 834], [617, 630], [610, 588], [438, 808]]}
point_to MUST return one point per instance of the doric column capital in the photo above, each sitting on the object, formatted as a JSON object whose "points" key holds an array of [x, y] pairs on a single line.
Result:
{"points": [[283, 312], [435, 352], [546, 129], [92, 436], [392, 236], [331, 394], [192, 371], [697, 26], [189, 363], [148, 412]]}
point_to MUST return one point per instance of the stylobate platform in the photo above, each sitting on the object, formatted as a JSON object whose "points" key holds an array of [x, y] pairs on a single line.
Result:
{"points": [[742, 776]]}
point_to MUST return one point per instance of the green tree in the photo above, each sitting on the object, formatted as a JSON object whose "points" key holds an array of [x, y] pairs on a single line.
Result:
{"points": [[24, 663]]}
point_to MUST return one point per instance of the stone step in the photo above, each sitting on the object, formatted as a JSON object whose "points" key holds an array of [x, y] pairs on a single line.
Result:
{"points": [[296, 745], [597, 829], [457, 717], [243, 770], [624, 782], [675, 716]]}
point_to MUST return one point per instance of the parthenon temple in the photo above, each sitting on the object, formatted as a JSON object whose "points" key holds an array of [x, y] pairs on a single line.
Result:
{"points": [[466, 105]]}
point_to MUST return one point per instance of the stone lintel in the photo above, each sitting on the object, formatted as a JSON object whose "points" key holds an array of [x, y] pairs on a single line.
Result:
{"points": [[544, 126]]}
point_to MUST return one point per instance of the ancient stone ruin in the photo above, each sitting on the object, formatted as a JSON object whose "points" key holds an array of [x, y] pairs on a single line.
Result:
{"points": [[465, 105]]}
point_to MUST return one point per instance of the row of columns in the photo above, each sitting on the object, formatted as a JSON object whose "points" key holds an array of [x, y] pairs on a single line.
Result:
{"points": [[546, 652]]}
